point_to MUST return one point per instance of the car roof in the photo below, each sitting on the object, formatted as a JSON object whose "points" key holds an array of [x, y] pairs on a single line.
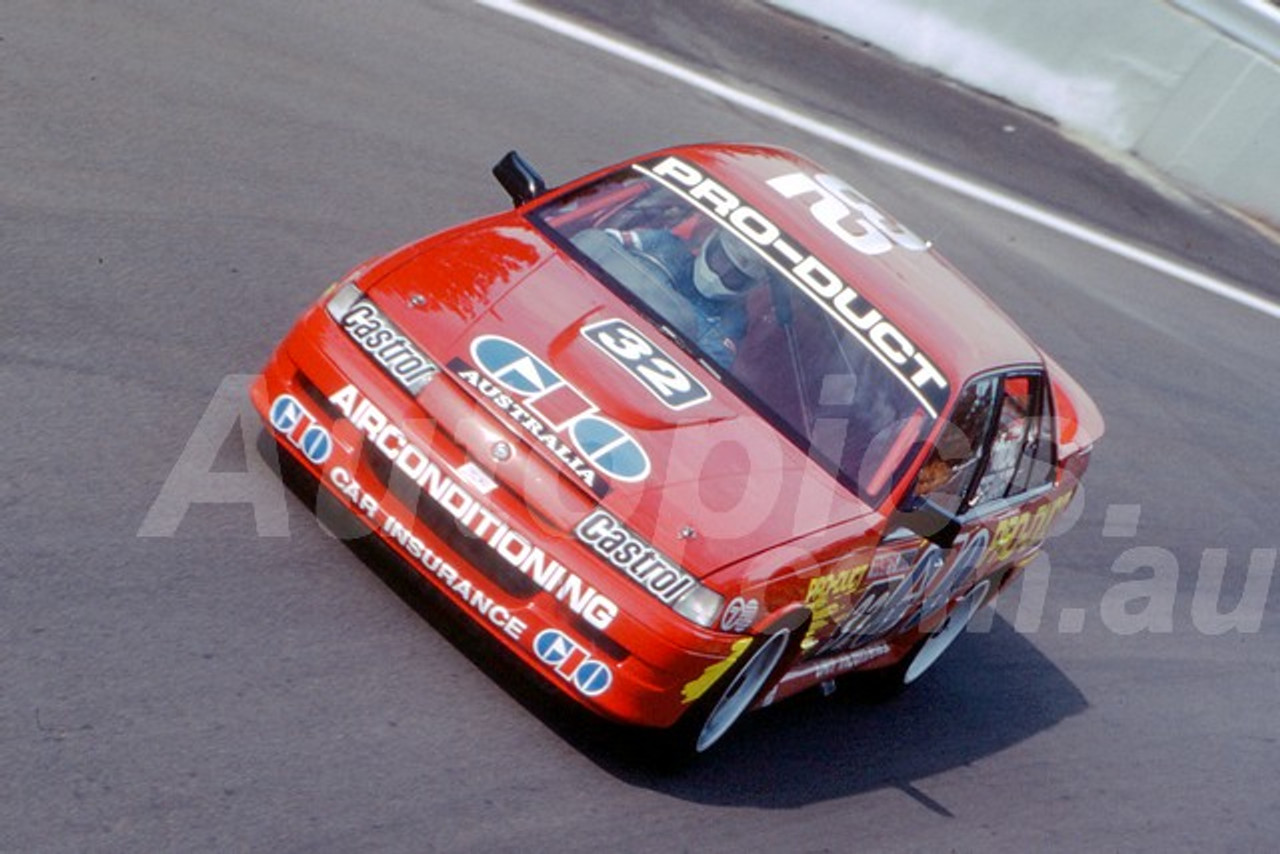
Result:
{"points": [[946, 316]]}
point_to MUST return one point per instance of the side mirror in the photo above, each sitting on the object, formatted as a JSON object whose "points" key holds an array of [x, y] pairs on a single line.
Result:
{"points": [[520, 180], [928, 520]]}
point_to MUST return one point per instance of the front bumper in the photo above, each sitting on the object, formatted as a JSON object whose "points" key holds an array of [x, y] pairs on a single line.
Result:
{"points": [[411, 471]]}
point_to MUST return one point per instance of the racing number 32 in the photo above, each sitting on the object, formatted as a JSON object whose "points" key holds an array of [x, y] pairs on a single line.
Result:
{"points": [[660, 374]]}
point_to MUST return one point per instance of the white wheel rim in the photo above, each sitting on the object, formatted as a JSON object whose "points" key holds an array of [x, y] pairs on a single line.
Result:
{"points": [[933, 648], [742, 690]]}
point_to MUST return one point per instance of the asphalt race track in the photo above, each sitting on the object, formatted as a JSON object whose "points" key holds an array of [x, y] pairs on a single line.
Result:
{"points": [[182, 669]]}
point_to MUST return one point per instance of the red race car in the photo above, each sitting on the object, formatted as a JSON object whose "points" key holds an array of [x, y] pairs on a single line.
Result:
{"points": [[687, 435]]}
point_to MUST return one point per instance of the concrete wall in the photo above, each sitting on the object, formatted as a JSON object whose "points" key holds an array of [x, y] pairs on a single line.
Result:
{"points": [[1191, 87]]}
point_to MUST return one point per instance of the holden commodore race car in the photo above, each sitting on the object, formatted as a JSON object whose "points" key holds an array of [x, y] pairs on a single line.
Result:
{"points": [[688, 435]]}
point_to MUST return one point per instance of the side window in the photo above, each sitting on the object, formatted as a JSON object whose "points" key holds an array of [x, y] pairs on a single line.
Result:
{"points": [[946, 478], [1037, 466], [1021, 455], [998, 444]]}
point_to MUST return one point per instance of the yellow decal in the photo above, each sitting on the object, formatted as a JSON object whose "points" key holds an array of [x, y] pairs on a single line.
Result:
{"points": [[825, 588], [699, 686], [1025, 529]]}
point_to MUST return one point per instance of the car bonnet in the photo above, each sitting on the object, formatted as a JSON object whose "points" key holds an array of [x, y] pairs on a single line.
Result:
{"points": [[550, 353]]}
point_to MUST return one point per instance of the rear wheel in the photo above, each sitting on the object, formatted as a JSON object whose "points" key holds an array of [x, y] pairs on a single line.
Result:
{"points": [[937, 643], [891, 681]]}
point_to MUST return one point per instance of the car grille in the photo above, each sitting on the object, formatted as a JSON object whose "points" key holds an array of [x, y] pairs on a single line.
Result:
{"points": [[465, 543]]}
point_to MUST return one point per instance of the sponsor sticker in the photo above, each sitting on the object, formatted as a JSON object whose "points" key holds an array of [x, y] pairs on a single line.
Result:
{"points": [[572, 663], [448, 490], [886, 564], [553, 413], [671, 384], [389, 347], [468, 592], [632, 556], [696, 688], [838, 665], [299, 426], [868, 231], [739, 614], [477, 478]]}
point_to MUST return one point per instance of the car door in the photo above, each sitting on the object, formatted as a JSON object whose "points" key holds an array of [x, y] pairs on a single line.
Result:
{"points": [[988, 487], [990, 479]]}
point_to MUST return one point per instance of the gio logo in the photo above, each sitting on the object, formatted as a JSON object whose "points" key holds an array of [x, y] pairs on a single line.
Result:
{"points": [[603, 444], [300, 428], [572, 663]]}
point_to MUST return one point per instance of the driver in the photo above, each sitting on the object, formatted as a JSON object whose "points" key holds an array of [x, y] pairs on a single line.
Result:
{"points": [[715, 283]]}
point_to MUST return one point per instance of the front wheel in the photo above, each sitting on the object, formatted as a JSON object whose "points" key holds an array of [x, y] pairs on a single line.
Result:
{"points": [[708, 721]]}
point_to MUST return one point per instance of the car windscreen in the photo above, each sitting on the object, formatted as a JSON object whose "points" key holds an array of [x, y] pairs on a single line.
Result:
{"points": [[774, 345]]}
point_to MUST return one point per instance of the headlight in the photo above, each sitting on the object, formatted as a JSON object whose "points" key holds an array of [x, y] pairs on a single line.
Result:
{"points": [[700, 604], [341, 297]]}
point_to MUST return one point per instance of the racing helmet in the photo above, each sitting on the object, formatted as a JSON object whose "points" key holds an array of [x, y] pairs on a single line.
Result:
{"points": [[726, 267]]}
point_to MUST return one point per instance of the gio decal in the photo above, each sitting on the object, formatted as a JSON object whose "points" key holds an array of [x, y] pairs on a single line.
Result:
{"points": [[299, 426], [655, 370], [572, 663], [550, 409]]}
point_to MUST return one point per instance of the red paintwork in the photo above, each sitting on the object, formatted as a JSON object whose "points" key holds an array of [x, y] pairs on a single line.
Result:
{"points": [[768, 521]]}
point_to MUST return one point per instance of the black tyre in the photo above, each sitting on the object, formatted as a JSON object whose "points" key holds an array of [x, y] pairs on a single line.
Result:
{"points": [[713, 715], [889, 682]]}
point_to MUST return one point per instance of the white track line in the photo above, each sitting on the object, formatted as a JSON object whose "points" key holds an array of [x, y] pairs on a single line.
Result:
{"points": [[890, 157]]}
